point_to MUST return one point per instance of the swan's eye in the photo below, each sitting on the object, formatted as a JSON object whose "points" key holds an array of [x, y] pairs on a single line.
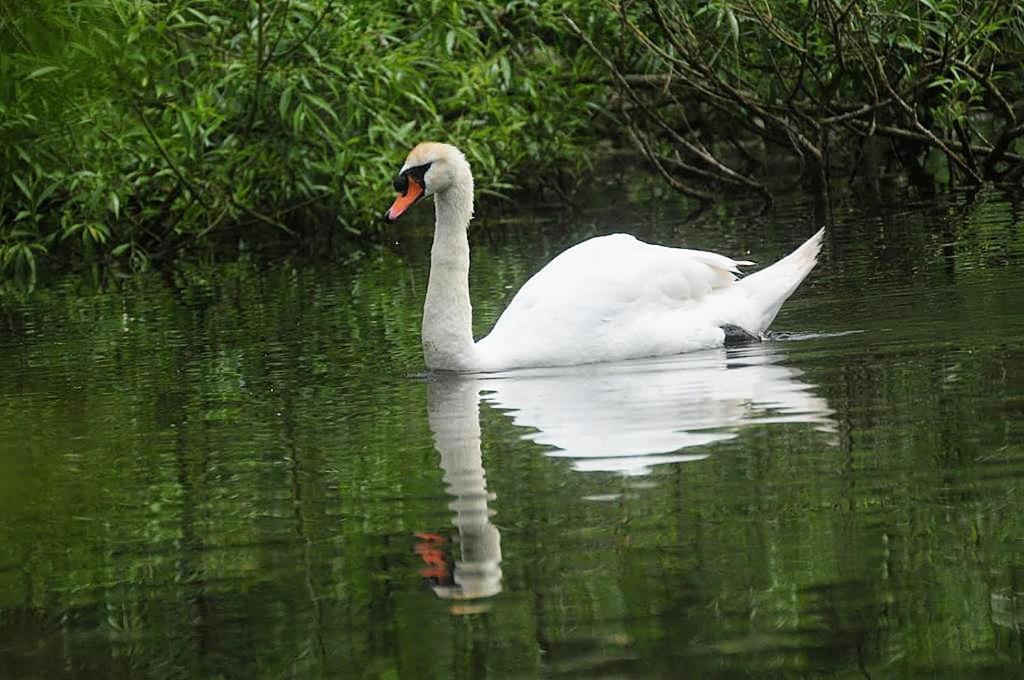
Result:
{"points": [[401, 182]]}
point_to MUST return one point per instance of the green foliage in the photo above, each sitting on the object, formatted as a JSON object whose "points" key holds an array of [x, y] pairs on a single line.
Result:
{"points": [[132, 128], [827, 82]]}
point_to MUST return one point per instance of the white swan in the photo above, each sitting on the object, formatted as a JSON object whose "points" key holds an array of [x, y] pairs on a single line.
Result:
{"points": [[606, 299]]}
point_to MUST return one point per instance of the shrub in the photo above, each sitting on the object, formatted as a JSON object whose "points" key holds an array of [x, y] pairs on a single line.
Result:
{"points": [[933, 88], [130, 129]]}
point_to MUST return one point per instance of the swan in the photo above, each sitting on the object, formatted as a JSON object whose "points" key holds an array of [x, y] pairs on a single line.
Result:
{"points": [[609, 298]]}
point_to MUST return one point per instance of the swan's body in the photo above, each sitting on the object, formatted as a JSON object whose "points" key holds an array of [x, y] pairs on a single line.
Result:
{"points": [[606, 299]]}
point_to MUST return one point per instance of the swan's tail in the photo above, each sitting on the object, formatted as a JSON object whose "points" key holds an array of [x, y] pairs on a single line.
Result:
{"points": [[770, 287]]}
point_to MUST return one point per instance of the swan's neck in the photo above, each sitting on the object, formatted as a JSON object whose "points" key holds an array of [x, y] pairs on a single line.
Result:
{"points": [[447, 314]]}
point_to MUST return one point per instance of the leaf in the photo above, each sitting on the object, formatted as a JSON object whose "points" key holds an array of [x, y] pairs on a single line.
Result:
{"points": [[114, 203], [311, 51], [908, 44], [47, 192], [284, 102], [734, 26], [70, 230], [506, 70], [320, 104], [21, 185], [488, 19], [26, 254], [40, 72], [97, 233]]}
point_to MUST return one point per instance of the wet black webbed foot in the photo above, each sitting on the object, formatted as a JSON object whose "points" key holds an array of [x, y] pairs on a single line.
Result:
{"points": [[734, 335]]}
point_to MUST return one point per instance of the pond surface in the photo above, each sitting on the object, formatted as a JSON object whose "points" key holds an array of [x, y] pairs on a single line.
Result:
{"points": [[241, 470]]}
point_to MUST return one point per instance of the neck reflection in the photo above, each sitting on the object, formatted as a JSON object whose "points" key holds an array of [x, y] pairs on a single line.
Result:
{"points": [[453, 413]]}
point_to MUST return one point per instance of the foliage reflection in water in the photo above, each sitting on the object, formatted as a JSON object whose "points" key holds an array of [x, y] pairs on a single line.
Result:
{"points": [[230, 473]]}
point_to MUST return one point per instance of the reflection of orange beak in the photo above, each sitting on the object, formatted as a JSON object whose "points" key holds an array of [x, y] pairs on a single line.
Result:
{"points": [[404, 201], [433, 556]]}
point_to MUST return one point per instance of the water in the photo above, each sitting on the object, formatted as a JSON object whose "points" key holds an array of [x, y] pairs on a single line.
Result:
{"points": [[240, 470]]}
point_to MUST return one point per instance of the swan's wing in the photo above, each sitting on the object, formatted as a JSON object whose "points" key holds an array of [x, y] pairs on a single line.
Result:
{"points": [[611, 297], [611, 275]]}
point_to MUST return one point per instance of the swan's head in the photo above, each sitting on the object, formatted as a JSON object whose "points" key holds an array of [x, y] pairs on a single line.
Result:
{"points": [[431, 168]]}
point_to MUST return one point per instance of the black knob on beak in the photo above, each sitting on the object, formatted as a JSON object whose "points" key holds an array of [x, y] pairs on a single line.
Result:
{"points": [[401, 183]]}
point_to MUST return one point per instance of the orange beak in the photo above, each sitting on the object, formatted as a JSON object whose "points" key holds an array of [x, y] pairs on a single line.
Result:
{"points": [[405, 200]]}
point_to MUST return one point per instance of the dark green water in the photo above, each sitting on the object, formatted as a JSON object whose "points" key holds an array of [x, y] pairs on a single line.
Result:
{"points": [[240, 470]]}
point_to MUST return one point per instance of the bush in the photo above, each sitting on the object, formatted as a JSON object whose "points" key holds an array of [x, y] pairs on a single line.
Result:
{"points": [[130, 129], [933, 88]]}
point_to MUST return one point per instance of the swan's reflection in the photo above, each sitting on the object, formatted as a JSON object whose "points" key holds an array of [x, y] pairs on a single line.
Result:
{"points": [[628, 416], [453, 412], [621, 417]]}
